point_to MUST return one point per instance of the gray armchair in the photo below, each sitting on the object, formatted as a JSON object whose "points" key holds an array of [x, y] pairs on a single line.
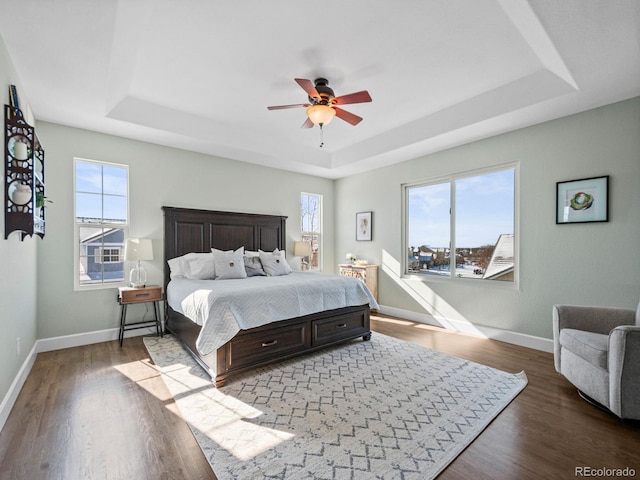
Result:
{"points": [[598, 350]]}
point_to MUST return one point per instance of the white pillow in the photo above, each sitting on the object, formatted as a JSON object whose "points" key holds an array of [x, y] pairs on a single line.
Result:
{"points": [[274, 263], [179, 266], [230, 264], [175, 268], [201, 268]]}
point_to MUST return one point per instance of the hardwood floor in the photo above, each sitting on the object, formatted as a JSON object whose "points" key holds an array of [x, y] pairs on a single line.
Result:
{"points": [[101, 411], [98, 412]]}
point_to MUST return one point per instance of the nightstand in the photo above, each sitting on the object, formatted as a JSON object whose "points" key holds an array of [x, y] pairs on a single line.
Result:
{"points": [[129, 295], [366, 273]]}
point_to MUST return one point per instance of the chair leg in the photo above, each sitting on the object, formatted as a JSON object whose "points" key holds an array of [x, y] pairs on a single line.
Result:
{"points": [[593, 402]]}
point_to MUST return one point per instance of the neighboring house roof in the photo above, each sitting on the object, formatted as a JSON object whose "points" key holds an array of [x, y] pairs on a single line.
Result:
{"points": [[99, 235], [502, 260]]}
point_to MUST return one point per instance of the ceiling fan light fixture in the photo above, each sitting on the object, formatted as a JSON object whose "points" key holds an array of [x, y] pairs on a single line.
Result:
{"points": [[321, 114]]}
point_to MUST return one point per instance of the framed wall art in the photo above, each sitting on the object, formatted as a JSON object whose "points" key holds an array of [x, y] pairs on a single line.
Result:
{"points": [[363, 226], [584, 200]]}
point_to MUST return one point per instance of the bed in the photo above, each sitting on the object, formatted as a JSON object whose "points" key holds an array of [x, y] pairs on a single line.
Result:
{"points": [[198, 231]]}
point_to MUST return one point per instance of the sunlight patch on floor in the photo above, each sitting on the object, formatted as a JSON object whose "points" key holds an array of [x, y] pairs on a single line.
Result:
{"points": [[145, 376], [396, 321], [230, 423], [423, 326], [227, 421]]}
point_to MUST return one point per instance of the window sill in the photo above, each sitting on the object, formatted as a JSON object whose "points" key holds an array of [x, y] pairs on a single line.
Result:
{"points": [[446, 279], [99, 286]]}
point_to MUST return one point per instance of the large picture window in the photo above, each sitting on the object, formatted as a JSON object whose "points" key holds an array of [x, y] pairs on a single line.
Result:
{"points": [[311, 226], [463, 226], [101, 220]]}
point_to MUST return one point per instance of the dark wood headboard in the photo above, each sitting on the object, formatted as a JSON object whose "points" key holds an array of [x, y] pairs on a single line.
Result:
{"points": [[189, 230]]}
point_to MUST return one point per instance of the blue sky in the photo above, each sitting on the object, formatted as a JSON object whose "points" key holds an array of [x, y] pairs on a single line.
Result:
{"points": [[484, 211], [101, 191]]}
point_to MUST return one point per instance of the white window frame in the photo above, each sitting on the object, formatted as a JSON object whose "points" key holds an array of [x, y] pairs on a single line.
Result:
{"points": [[320, 227], [515, 166], [78, 225]]}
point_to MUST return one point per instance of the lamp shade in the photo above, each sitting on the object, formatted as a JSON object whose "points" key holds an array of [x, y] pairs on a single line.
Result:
{"points": [[138, 249], [321, 114], [302, 249]]}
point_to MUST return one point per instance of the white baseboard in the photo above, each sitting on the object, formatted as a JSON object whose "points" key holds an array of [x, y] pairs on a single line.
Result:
{"points": [[507, 336], [14, 390], [58, 343], [80, 339]]}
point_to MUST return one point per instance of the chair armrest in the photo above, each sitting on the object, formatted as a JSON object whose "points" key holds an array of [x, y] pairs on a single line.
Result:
{"points": [[624, 371], [592, 319]]}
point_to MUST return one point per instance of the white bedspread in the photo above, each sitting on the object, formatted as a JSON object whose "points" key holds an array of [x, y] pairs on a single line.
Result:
{"points": [[224, 307]]}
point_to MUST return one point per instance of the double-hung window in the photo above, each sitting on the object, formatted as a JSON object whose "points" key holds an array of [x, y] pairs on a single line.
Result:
{"points": [[311, 226], [463, 226], [101, 221]]}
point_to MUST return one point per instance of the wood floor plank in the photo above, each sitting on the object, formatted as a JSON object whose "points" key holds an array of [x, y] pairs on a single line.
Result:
{"points": [[102, 412]]}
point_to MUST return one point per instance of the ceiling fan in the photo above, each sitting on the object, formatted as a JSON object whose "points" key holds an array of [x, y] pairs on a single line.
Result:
{"points": [[323, 104]]}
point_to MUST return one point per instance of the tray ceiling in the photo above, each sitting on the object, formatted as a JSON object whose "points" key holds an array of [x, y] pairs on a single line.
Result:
{"points": [[199, 75]]}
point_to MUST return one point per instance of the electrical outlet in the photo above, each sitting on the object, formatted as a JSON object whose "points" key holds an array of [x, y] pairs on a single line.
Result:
{"points": [[18, 346]]}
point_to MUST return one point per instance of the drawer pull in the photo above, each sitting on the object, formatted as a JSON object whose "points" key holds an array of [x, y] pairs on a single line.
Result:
{"points": [[342, 325], [270, 343], [142, 295]]}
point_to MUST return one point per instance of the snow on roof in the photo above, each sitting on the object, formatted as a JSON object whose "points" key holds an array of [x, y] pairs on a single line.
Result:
{"points": [[502, 260]]}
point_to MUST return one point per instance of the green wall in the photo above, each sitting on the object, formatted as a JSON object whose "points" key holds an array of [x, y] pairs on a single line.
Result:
{"points": [[18, 259], [158, 176], [582, 264]]}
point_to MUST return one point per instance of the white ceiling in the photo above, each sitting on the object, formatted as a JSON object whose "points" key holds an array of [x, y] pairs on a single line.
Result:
{"points": [[199, 74]]}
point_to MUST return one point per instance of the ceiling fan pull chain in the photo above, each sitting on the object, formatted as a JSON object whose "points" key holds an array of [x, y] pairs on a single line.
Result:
{"points": [[321, 136]]}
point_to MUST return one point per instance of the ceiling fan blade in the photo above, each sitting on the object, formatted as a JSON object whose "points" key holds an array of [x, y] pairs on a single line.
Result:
{"points": [[307, 124], [347, 116], [308, 87], [281, 107], [357, 97]]}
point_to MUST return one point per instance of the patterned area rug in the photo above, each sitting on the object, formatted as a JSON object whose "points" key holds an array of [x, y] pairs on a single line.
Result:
{"points": [[381, 409]]}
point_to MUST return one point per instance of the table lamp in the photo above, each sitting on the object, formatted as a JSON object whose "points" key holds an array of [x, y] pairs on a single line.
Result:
{"points": [[138, 249], [302, 249]]}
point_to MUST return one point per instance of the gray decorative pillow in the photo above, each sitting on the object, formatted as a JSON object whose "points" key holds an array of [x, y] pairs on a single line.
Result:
{"points": [[253, 266], [230, 265], [274, 263]]}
